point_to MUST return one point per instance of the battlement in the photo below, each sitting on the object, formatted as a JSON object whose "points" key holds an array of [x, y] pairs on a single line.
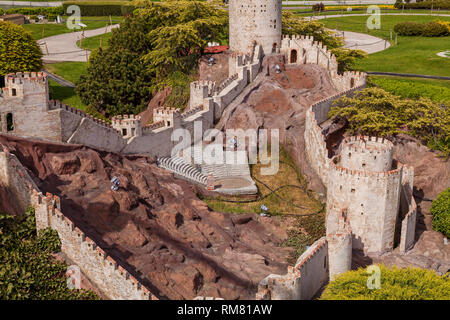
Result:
{"points": [[20, 85], [126, 120], [334, 165], [25, 77], [367, 154]]}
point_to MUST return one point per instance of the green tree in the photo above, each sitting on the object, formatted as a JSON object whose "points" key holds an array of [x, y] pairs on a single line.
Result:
{"points": [[18, 51], [440, 209], [27, 269], [395, 284], [160, 39], [374, 111]]}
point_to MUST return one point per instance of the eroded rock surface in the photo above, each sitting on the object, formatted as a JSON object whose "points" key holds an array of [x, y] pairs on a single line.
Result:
{"points": [[154, 224]]}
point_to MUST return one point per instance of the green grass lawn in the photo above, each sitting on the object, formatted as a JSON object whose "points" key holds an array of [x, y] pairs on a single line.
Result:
{"points": [[92, 43], [436, 90], [411, 55], [71, 71], [39, 31]]}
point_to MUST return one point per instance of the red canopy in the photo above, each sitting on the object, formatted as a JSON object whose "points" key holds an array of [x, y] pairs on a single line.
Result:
{"points": [[215, 49]]}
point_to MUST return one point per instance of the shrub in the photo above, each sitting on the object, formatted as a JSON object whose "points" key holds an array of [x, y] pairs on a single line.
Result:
{"points": [[18, 50], [428, 29], [395, 284], [434, 29], [318, 7], [37, 11], [106, 8], [374, 111], [27, 269], [440, 209], [442, 4], [408, 28]]}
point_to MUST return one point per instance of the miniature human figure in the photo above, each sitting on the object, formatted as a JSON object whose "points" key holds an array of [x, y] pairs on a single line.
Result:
{"points": [[264, 211], [233, 143], [210, 61], [277, 68]]}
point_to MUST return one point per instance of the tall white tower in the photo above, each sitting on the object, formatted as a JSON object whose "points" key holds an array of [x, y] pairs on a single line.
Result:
{"points": [[255, 20]]}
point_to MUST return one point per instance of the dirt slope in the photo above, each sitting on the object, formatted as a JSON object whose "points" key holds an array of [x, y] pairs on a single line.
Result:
{"points": [[154, 224]]}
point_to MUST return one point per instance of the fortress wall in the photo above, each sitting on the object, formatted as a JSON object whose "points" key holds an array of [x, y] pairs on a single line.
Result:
{"points": [[408, 230], [339, 253], [315, 144], [303, 49], [15, 177], [102, 270], [92, 134], [303, 280]]}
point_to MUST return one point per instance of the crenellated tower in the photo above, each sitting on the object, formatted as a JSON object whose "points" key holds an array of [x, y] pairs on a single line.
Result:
{"points": [[255, 20]]}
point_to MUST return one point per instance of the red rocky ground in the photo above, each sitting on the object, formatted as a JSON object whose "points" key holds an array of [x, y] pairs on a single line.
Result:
{"points": [[154, 224]]}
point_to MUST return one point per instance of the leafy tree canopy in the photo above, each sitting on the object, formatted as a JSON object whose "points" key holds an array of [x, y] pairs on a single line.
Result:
{"points": [[440, 209], [395, 284], [27, 269], [18, 51], [164, 40], [160, 39], [374, 111]]}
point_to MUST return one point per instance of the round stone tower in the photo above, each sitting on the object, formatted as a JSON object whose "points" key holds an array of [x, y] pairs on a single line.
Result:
{"points": [[366, 183], [255, 20]]}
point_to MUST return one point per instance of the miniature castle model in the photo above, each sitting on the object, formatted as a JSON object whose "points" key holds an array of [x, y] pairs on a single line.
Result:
{"points": [[370, 206]]}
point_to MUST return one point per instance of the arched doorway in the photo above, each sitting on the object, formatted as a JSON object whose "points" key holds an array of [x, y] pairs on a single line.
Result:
{"points": [[352, 82], [293, 56]]}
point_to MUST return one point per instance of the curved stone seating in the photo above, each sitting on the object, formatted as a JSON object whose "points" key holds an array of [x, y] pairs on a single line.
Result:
{"points": [[182, 168]]}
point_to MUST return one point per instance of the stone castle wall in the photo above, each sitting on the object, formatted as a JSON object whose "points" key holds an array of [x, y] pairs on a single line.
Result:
{"points": [[315, 145], [25, 100], [303, 280], [114, 281], [303, 49]]}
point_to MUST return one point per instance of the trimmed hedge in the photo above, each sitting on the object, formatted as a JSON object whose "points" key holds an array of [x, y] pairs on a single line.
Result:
{"points": [[443, 4], [428, 29], [440, 209], [34, 11], [106, 8]]}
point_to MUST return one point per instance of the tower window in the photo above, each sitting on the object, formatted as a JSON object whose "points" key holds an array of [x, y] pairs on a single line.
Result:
{"points": [[124, 132], [9, 122], [133, 131], [353, 190], [14, 92]]}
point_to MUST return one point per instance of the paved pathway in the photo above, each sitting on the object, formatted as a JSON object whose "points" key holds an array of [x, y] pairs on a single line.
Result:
{"points": [[63, 47]]}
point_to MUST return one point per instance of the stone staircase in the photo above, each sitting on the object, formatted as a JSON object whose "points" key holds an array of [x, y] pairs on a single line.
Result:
{"points": [[183, 169]]}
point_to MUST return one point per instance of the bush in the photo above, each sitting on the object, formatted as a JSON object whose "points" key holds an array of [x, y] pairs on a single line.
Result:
{"points": [[434, 29], [27, 269], [318, 7], [408, 28], [128, 9], [37, 11], [18, 50], [443, 4], [106, 8], [51, 17], [440, 209], [374, 111], [395, 284], [428, 29]]}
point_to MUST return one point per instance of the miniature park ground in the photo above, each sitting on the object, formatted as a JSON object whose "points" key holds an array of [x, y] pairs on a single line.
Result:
{"points": [[181, 246]]}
